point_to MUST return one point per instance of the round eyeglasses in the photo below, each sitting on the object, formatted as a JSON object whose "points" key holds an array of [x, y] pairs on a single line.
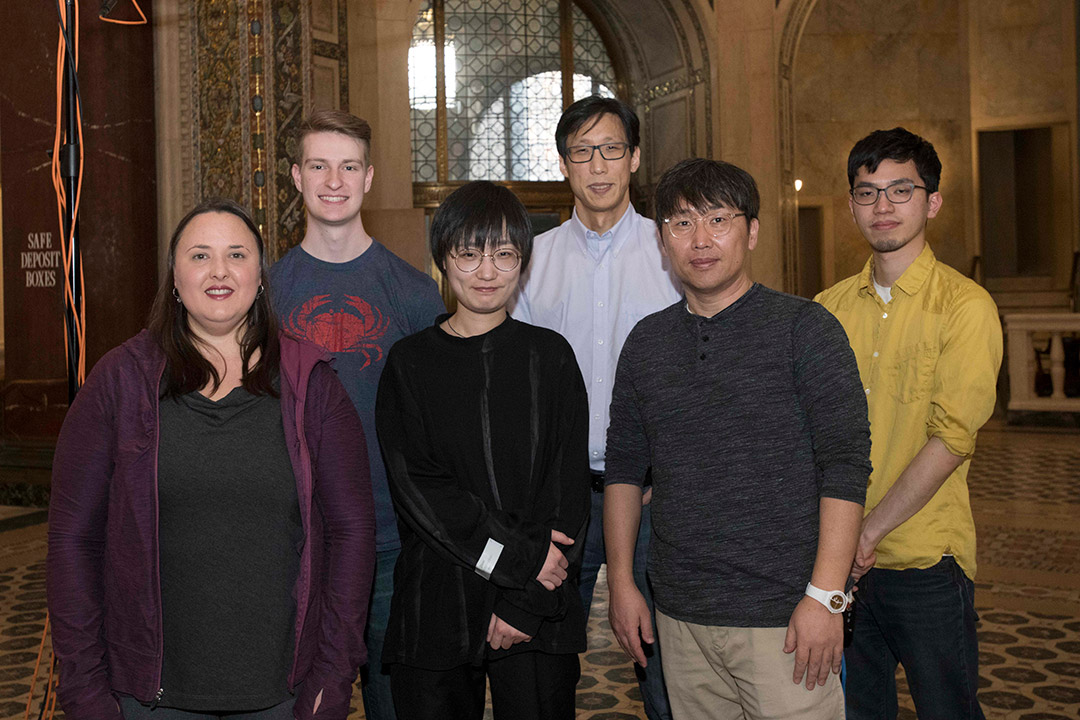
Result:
{"points": [[717, 224], [468, 261], [897, 193], [608, 151]]}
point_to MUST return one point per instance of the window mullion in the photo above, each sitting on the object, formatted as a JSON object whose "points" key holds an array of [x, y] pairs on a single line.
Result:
{"points": [[442, 151], [566, 51]]}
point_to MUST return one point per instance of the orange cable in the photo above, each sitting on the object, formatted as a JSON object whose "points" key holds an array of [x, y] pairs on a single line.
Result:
{"points": [[37, 666], [129, 22]]}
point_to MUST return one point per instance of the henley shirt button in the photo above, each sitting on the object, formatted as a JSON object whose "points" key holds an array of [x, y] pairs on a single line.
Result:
{"points": [[600, 304], [600, 341], [867, 391], [884, 315], [596, 453], [599, 379], [875, 353]]}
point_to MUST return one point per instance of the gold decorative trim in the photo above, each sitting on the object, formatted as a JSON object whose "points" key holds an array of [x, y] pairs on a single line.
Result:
{"points": [[537, 196]]}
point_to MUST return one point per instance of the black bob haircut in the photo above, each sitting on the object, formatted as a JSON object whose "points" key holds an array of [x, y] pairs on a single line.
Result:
{"points": [[898, 145], [479, 215], [588, 111], [705, 185]]}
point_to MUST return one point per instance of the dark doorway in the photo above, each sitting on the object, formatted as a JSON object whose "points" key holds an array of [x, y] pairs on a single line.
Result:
{"points": [[811, 233]]}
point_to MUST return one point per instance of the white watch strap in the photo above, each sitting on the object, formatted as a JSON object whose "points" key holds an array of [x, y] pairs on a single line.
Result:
{"points": [[825, 597]]}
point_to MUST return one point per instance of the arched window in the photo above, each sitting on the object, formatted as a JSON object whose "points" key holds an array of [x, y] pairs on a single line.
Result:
{"points": [[487, 108]]}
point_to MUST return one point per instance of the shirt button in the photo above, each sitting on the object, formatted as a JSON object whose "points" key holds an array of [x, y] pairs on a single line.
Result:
{"points": [[702, 356], [595, 417], [596, 453], [600, 304], [599, 379], [867, 391], [875, 353], [705, 338], [600, 341], [884, 315]]}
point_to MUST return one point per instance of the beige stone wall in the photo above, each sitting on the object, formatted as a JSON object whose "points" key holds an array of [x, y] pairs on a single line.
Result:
{"points": [[945, 70], [864, 65]]}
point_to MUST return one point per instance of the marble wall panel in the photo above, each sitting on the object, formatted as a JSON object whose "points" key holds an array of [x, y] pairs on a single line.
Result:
{"points": [[942, 78], [812, 78], [1019, 69]]}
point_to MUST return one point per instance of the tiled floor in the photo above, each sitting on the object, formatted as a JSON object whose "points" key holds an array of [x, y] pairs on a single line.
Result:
{"points": [[1025, 489]]}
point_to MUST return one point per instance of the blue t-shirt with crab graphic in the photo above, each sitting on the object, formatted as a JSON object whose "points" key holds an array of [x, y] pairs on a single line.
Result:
{"points": [[356, 310]]}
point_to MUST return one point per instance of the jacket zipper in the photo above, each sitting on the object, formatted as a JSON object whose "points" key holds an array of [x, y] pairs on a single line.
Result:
{"points": [[157, 535]]}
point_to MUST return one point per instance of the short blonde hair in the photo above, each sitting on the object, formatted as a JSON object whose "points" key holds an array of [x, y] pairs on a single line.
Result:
{"points": [[336, 121]]}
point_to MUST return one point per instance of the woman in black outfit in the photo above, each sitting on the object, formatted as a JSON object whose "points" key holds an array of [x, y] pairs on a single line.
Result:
{"points": [[483, 424]]}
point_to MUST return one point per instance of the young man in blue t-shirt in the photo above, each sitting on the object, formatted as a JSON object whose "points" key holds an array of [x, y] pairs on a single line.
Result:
{"points": [[344, 291]]}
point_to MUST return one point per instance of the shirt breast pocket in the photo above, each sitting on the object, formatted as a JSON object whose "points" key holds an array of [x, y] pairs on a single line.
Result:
{"points": [[912, 375]]}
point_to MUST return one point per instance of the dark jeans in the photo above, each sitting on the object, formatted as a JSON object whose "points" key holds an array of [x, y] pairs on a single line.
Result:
{"points": [[925, 620], [650, 679], [134, 710], [378, 701], [526, 686]]}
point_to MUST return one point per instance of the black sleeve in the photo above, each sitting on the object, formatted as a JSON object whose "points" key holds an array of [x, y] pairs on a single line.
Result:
{"points": [[456, 523], [525, 609]]}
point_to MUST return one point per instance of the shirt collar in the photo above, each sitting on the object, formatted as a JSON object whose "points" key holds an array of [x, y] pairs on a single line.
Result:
{"points": [[910, 282], [616, 236]]}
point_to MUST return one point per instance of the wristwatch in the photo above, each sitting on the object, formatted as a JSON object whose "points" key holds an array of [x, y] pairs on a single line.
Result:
{"points": [[835, 601]]}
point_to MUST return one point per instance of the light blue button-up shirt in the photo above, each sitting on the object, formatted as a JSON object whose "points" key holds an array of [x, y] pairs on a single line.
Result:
{"points": [[593, 289]]}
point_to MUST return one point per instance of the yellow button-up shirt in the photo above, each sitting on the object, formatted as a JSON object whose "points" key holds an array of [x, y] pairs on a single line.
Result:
{"points": [[929, 362]]}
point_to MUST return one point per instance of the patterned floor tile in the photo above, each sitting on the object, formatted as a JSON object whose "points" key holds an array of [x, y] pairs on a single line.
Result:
{"points": [[1025, 489]]}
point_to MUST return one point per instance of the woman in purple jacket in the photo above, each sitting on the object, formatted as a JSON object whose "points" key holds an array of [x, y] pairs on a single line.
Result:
{"points": [[211, 530]]}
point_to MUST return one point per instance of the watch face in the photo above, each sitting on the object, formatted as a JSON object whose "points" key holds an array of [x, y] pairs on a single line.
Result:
{"points": [[836, 601]]}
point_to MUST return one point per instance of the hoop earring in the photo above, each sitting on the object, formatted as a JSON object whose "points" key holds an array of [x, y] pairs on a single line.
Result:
{"points": [[176, 294], [260, 292]]}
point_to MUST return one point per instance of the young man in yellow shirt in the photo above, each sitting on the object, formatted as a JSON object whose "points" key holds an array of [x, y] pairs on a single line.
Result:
{"points": [[928, 344]]}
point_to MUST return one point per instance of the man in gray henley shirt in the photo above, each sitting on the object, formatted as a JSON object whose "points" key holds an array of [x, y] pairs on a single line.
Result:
{"points": [[746, 405]]}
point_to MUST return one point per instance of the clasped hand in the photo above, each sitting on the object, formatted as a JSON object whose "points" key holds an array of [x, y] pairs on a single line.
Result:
{"points": [[553, 573]]}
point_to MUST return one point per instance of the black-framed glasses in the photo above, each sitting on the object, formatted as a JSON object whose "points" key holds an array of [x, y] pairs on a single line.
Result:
{"points": [[897, 193], [504, 259], [718, 224], [608, 151]]}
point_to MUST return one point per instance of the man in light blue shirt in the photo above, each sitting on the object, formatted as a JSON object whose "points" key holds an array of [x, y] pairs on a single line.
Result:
{"points": [[591, 279]]}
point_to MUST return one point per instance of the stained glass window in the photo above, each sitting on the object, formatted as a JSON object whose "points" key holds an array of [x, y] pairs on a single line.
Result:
{"points": [[503, 74]]}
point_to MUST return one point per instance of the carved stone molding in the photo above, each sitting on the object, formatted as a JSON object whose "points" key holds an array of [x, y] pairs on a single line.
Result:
{"points": [[798, 11]]}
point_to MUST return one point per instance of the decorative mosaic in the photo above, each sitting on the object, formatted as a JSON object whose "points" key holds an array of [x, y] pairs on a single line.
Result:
{"points": [[287, 93], [221, 68]]}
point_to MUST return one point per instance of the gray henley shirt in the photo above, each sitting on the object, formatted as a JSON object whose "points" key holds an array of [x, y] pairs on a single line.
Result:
{"points": [[747, 419]]}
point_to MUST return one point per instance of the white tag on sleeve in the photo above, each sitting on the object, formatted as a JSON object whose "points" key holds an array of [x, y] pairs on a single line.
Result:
{"points": [[488, 558]]}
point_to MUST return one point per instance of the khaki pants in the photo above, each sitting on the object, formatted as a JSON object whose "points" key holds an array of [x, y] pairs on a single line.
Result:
{"points": [[734, 673]]}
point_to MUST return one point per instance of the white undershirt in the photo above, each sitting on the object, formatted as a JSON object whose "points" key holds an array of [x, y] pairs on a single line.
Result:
{"points": [[885, 293]]}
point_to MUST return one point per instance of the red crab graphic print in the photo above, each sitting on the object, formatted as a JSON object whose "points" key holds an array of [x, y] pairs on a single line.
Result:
{"points": [[355, 327]]}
